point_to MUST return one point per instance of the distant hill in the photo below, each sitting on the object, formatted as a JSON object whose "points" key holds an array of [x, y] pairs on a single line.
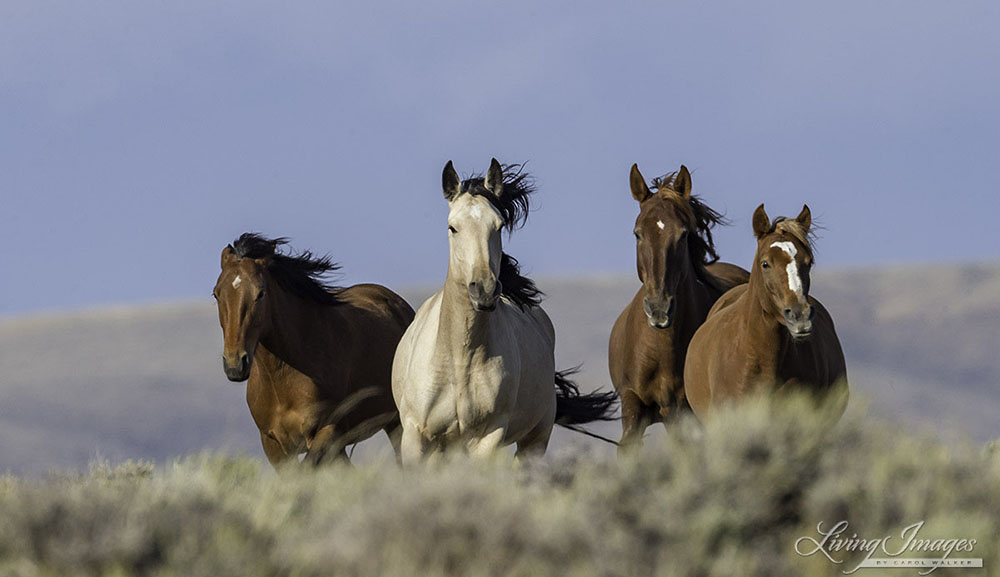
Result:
{"points": [[922, 343]]}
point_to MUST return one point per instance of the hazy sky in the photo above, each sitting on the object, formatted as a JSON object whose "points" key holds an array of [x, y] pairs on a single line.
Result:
{"points": [[138, 138]]}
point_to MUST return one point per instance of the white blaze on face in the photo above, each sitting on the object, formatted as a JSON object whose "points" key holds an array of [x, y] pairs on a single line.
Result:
{"points": [[794, 281], [660, 224], [237, 282]]}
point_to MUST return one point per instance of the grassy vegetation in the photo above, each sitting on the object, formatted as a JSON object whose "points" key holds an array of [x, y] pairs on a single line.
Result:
{"points": [[730, 501]]}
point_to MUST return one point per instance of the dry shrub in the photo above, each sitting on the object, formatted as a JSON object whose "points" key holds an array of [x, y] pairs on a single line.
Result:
{"points": [[730, 499]]}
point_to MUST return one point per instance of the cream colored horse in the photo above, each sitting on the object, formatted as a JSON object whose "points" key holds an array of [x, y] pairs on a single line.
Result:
{"points": [[476, 369]]}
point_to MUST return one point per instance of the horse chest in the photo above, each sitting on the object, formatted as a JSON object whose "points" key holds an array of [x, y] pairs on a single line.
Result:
{"points": [[289, 414], [653, 373], [466, 396], [479, 396], [794, 363]]}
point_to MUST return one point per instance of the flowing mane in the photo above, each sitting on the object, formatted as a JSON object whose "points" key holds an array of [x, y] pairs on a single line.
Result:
{"points": [[520, 289], [513, 206], [301, 274], [700, 219]]}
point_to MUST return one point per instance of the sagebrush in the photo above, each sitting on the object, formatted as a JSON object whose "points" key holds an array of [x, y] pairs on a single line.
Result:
{"points": [[727, 500]]}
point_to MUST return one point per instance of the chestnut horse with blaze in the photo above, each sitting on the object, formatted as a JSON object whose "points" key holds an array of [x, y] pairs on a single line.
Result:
{"points": [[317, 359], [769, 335], [681, 280]]}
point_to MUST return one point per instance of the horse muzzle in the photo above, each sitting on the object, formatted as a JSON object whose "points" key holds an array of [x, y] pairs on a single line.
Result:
{"points": [[659, 313], [799, 322], [482, 300], [237, 370]]}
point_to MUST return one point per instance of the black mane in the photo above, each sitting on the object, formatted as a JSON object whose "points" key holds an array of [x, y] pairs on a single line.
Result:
{"points": [[301, 274], [513, 203], [513, 206], [521, 290]]}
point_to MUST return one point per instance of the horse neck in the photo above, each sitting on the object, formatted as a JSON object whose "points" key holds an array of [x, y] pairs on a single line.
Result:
{"points": [[303, 334], [694, 299], [461, 327], [766, 331]]}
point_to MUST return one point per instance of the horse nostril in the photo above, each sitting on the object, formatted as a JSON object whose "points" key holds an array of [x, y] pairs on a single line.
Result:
{"points": [[812, 312], [787, 313]]}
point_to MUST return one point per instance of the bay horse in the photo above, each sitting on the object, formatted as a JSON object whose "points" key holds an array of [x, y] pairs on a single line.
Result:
{"points": [[770, 334], [317, 358], [476, 369], [681, 280]]}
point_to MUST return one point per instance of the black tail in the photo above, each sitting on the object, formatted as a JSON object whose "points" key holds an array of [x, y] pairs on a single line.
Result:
{"points": [[572, 408]]}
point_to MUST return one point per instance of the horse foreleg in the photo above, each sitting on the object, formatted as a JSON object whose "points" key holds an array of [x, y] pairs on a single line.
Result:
{"points": [[673, 410], [535, 442], [487, 445], [413, 446], [326, 447], [394, 430], [276, 455], [635, 420]]}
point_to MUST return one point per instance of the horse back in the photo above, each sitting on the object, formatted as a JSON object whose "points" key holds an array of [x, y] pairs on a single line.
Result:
{"points": [[380, 302], [727, 299], [727, 276]]}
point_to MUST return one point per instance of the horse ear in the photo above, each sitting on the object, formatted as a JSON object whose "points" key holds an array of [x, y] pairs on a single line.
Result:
{"points": [[682, 182], [450, 183], [640, 191], [805, 217], [228, 255], [761, 224], [494, 178]]}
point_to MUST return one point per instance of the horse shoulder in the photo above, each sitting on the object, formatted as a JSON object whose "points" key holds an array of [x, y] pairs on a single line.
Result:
{"points": [[619, 345], [528, 366], [620, 332], [717, 362], [697, 385], [416, 346]]}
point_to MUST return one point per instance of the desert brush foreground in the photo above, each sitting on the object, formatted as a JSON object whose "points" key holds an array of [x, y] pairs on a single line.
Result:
{"points": [[731, 499]]}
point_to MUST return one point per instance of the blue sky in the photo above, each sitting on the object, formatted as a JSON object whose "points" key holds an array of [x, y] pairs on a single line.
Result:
{"points": [[137, 139]]}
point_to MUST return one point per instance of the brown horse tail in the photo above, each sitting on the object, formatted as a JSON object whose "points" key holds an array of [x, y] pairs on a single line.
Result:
{"points": [[572, 408]]}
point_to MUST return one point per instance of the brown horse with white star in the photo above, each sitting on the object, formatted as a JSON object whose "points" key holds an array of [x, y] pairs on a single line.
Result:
{"points": [[681, 280], [317, 358]]}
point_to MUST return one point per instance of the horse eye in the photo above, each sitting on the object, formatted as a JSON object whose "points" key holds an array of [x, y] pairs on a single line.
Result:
{"points": [[636, 233], [260, 295], [765, 264], [451, 229], [215, 295]]}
